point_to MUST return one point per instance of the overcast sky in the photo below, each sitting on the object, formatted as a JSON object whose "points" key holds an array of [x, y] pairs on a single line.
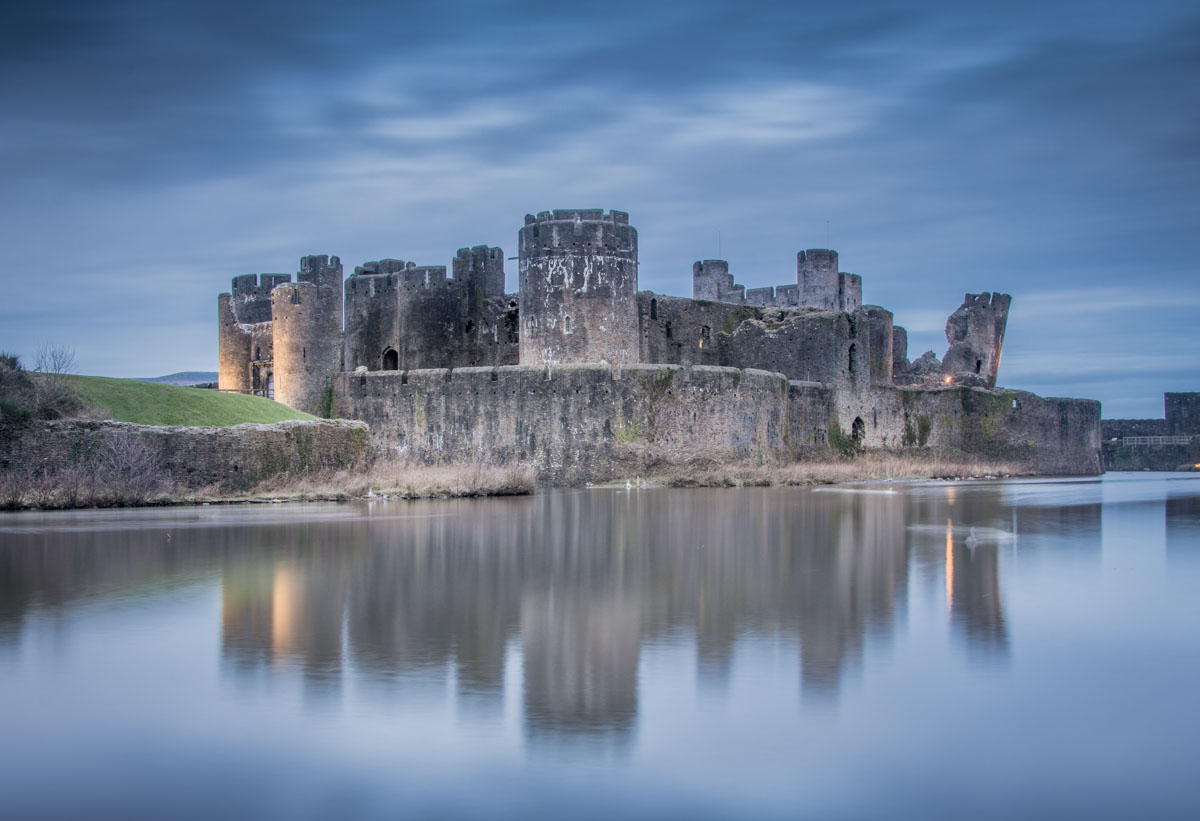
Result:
{"points": [[153, 149]]}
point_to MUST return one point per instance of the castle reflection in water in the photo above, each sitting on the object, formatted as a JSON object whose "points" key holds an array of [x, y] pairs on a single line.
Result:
{"points": [[578, 583], [561, 594]]}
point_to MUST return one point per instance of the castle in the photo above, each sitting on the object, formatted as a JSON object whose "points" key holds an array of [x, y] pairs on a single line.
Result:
{"points": [[579, 365]]}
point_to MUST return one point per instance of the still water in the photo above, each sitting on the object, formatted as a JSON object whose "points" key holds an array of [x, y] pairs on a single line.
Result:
{"points": [[990, 649]]}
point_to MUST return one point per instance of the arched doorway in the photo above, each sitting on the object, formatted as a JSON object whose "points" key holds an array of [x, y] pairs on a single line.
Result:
{"points": [[858, 431], [391, 360]]}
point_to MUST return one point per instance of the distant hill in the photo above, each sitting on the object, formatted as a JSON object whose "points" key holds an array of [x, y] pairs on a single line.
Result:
{"points": [[184, 378], [154, 403]]}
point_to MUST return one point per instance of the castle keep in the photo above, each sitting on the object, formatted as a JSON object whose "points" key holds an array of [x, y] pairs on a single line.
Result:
{"points": [[580, 372]]}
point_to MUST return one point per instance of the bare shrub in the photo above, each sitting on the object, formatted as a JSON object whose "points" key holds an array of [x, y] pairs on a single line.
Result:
{"points": [[129, 472], [54, 359], [54, 396], [73, 486], [14, 484]]}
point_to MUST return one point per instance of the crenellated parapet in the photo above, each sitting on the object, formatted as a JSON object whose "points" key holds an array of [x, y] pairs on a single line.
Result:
{"points": [[250, 296]]}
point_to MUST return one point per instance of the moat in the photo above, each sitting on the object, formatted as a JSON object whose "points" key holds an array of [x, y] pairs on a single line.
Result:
{"points": [[1020, 648]]}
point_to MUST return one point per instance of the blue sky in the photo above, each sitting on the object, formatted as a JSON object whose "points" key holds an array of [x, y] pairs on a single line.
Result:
{"points": [[151, 150]]}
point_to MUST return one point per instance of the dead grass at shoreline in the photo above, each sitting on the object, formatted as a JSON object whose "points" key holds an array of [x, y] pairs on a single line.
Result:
{"points": [[867, 467], [401, 479], [396, 478]]}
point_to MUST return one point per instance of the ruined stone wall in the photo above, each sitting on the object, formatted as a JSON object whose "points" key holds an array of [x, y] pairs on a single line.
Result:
{"points": [[233, 458], [679, 331], [1182, 412], [577, 422], [830, 347], [899, 350], [429, 320], [1120, 456], [881, 334], [578, 288], [817, 276], [243, 320], [1120, 428], [1054, 436], [233, 349], [849, 292], [975, 332], [712, 281], [307, 335]]}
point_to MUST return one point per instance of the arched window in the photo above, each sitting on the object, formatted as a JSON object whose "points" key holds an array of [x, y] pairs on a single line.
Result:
{"points": [[978, 365], [654, 309], [705, 337], [853, 356], [391, 360], [567, 324], [858, 430]]}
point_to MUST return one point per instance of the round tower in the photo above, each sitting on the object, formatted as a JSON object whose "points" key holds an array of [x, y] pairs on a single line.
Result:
{"points": [[306, 318], [578, 275], [817, 276], [233, 349]]}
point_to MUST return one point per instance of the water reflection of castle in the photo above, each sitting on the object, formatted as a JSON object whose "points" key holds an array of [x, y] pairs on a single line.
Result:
{"points": [[581, 582]]}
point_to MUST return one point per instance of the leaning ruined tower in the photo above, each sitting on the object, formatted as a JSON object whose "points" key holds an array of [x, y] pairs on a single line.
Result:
{"points": [[306, 316], [578, 291]]}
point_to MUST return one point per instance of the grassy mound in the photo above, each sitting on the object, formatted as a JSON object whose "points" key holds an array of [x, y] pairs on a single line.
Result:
{"points": [[154, 403]]}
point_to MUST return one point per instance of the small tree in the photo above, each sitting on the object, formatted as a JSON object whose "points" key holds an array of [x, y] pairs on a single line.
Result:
{"points": [[55, 359], [55, 398]]}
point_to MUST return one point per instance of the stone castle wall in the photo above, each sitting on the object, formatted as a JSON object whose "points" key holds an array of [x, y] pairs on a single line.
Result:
{"points": [[1054, 436], [579, 423], [1182, 413], [428, 320], [231, 458], [576, 423]]}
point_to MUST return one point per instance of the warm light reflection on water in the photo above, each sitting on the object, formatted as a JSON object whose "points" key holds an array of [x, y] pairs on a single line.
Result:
{"points": [[611, 652]]}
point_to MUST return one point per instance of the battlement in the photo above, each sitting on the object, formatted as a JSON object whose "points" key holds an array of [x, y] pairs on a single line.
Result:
{"points": [[250, 301], [711, 280], [578, 232], [583, 214], [322, 270], [817, 259], [383, 266], [975, 333], [249, 285], [319, 262], [994, 301], [480, 270]]}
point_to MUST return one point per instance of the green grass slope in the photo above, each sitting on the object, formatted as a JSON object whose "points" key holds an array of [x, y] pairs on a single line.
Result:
{"points": [[154, 403]]}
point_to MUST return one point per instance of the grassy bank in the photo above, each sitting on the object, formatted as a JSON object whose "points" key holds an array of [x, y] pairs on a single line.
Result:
{"points": [[154, 403]]}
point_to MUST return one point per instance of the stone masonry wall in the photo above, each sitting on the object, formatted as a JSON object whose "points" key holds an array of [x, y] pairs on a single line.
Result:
{"points": [[1182, 412], [233, 458], [429, 320], [576, 423], [1054, 436]]}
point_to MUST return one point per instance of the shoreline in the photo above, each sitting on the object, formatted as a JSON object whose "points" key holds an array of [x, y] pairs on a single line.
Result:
{"points": [[401, 480]]}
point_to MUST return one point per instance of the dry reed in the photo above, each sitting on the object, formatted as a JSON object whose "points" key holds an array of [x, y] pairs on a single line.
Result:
{"points": [[405, 479], [866, 467]]}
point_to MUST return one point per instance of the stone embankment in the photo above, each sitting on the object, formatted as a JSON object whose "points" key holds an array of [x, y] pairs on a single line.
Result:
{"points": [[228, 458]]}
